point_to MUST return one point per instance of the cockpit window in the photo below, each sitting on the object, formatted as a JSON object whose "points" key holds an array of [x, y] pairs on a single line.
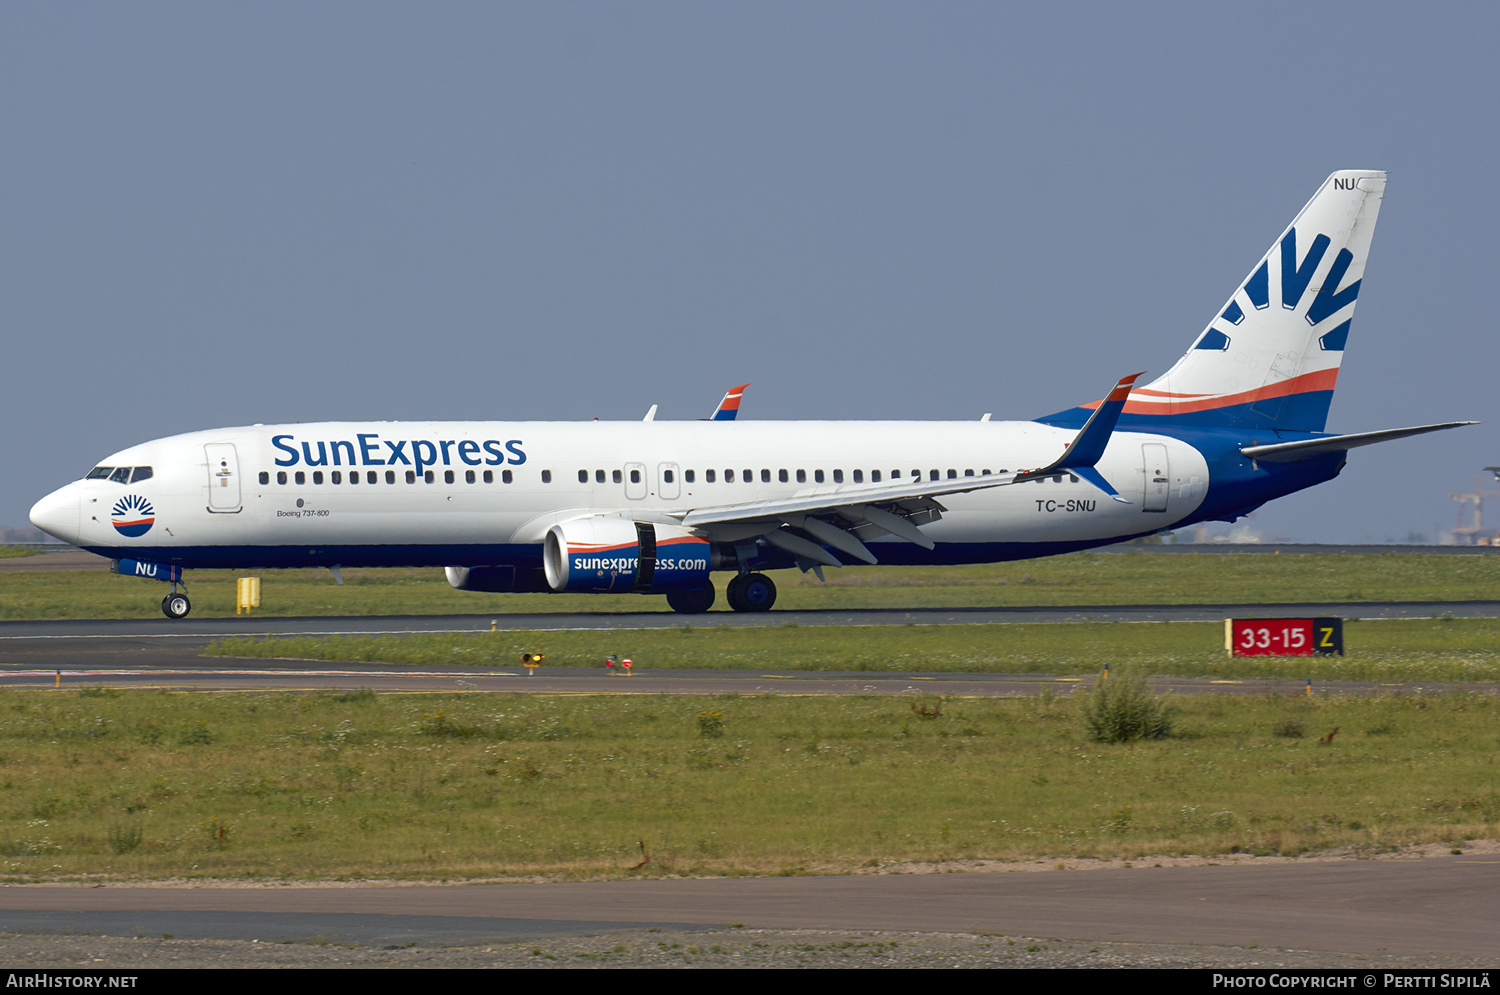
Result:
{"points": [[119, 474]]}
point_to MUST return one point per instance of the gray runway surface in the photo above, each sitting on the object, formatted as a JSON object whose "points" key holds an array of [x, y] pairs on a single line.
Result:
{"points": [[213, 628], [1438, 906], [164, 653]]}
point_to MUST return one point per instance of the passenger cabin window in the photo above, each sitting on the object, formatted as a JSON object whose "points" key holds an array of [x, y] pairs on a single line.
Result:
{"points": [[353, 477], [583, 476], [447, 476], [336, 477], [616, 476], [728, 476], [265, 477], [708, 475], [372, 478], [667, 476], [506, 476], [546, 476], [317, 476], [390, 476], [468, 476], [801, 476], [489, 476], [301, 478], [281, 476], [428, 477], [838, 476], [598, 476], [687, 476], [859, 476], [765, 476], [411, 476], [782, 476], [748, 476], [817, 476], [874, 476], [635, 476]]}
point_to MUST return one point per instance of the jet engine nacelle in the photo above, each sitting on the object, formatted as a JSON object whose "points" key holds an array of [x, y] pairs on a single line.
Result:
{"points": [[618, 555]]}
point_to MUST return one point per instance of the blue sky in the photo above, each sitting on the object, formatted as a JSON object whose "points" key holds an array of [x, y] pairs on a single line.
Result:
{"points": [[219, 214]]}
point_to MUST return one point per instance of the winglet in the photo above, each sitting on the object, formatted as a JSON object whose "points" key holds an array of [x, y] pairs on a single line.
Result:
{"points": [[730, 406], [1088, 446]]}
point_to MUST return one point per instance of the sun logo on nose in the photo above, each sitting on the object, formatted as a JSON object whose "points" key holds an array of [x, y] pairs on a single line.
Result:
{"points": [[132, 516]]}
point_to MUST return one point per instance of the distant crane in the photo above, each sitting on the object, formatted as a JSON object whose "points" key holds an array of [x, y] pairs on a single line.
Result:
{"points": [[1470, 535]]}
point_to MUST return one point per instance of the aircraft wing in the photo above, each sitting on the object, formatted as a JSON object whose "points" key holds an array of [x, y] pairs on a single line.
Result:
{"points": [[843, 515], [840, 516], [1296, 452]]}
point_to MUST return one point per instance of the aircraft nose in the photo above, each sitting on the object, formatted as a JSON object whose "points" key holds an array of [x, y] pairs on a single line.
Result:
{"points": [[57, 514]]}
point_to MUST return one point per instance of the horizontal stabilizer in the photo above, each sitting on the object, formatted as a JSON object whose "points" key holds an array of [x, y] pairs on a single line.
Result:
{"points": [[1296, 452]]}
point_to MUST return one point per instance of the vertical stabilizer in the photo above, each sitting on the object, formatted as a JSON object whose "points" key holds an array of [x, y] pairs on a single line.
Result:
{"points": [[1270, 357]]}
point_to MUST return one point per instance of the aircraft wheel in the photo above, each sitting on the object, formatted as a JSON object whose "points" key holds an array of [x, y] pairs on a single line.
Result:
{"points": [[752, 593], [692, 602], [732, 594], [176, 606]]}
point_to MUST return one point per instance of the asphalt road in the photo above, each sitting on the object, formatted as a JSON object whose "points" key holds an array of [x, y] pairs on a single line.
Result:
{"points": [[1436, 906], [161, 653]]}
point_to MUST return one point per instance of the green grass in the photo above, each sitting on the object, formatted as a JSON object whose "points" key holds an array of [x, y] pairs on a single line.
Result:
{"points": [[1075, 579], [145, 785], [8, 552], [1437, 650]]}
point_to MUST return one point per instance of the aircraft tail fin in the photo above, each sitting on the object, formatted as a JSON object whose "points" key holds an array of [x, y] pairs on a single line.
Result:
{"points": [[730, 406], [1270, 357]]}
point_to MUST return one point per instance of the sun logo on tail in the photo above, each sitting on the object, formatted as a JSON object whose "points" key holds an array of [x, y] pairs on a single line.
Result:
{"points": [[132, 516]]}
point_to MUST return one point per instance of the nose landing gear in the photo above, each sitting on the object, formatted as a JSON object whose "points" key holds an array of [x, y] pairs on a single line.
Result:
{"points": [[176, 605]]}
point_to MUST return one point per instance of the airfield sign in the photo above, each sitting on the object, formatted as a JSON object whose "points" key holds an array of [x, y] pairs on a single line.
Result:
{"points": [[1284, 636]]}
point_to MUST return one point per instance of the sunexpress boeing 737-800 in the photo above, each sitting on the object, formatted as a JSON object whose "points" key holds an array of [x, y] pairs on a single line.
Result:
{"points": [[659, 507]]}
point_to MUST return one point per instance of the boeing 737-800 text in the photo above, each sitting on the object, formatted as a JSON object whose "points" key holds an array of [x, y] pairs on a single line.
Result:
{"points": [[657, 507]]}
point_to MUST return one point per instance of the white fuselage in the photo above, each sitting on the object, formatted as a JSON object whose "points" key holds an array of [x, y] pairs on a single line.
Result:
{"points": [[451, 493]]}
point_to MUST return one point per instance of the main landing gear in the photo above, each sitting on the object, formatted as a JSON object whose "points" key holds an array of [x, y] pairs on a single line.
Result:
{"points": [[751, 593], [176, 605], [746, 593], [692, 602]]}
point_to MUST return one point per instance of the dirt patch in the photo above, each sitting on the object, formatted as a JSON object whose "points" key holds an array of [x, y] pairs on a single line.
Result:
{"points": [[66, 559], [1419, 852], [1162, 860]]}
